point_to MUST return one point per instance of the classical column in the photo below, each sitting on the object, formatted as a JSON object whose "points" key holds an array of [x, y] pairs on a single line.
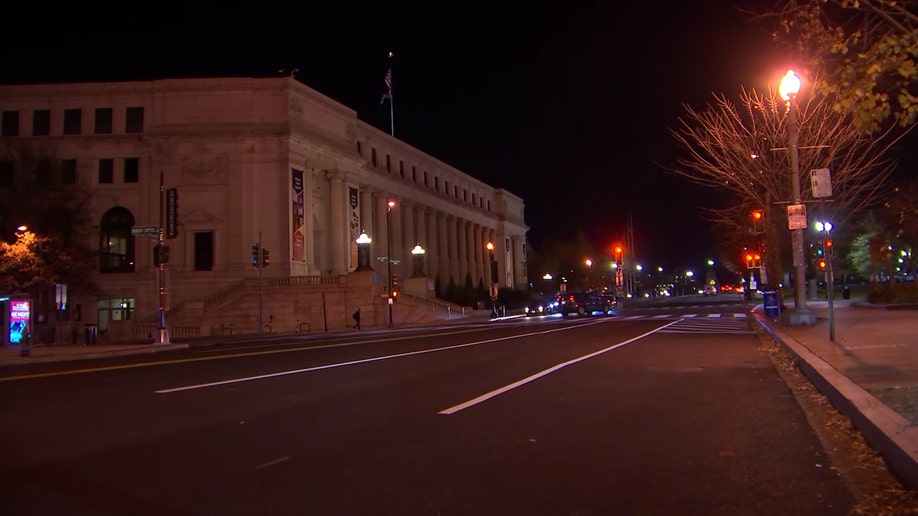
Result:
{"points": [[338, 242], [478, 243], [442, 249], [409, 238], [309, 229], [453, 242], [366, 211], [399, 252], [517, 256], [462, 249]]}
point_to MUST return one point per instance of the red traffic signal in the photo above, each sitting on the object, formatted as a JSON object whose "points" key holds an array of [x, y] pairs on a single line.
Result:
{"points": [[828, 246], [758, 215], [750, 258]]}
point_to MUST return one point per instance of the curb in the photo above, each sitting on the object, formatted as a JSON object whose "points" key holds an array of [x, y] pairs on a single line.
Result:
{"points": [[883, 428]]}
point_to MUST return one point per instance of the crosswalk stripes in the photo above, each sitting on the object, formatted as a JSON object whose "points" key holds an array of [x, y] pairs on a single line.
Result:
{"points": [[735, 325]]}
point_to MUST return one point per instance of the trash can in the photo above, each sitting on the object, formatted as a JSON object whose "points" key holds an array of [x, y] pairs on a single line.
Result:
{"points": [[25, 347], [90, 334], [846, 292], [772, 306]]}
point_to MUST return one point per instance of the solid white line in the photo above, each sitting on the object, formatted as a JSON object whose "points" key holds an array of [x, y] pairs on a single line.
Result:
{"points": [[272, 463], [546, 372], [362, 361]]}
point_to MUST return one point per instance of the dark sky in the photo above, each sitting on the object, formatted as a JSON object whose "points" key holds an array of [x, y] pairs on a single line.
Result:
{"points": [[566, 104]]}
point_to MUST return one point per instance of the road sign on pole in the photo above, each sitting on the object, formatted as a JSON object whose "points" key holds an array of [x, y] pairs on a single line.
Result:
{"points": [[796, 216], [145, 230], [821, 181]]}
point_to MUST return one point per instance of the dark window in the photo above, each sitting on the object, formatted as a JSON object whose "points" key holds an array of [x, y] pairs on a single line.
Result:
{"points": [[106, 171], [41, 122], [116, 244], [131, 170], [104, 120], [43, 173], [373, 157], [10, 124], [7, 169], [73, 121], [133, 120], [69, 172], [359, 149], [388, 164], [425, 179], [203, 250]]}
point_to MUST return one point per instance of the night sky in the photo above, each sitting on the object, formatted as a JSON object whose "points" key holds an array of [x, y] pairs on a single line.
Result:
{"points": [[566, 104]]}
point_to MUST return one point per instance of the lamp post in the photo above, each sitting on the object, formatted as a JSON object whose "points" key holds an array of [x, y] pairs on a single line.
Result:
{"points": [[589, 263], [493, 270], [391, 299], [788, 89], [830, 274], [418, 254], [363, 251]]}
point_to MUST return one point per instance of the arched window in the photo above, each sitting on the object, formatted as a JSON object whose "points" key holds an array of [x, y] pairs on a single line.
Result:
{"points": [[116, 244]]}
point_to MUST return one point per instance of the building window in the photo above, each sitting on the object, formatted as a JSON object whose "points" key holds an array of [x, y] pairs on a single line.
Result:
{"points": [[7, 169], [116, 309], [388, 164], [43, 172], [414, 175], [116, 244], [425, 180], [133, 120], [401, 169], [446, 188], [73, 121], [436, 184], [106, 171], [465, 195], [69, 172], [373, 157], [131, 170], [203, 250], [104, 120], [41, 122], [10, 124], [359, 149]]}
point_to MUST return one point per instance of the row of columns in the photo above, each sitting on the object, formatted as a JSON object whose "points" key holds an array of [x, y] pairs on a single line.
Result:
{"points": [[455, 247]]}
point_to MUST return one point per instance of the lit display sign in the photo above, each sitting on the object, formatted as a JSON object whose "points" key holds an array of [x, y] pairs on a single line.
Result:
{"points": [[20, 317]]}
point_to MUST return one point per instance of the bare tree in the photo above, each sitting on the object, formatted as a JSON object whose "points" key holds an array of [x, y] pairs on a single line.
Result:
{"points": [[742, 150]]}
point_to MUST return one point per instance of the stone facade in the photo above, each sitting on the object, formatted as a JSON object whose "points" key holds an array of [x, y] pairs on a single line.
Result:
{"points": [[256, 160]]}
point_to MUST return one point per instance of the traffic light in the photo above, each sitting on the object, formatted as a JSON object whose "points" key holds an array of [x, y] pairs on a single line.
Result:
{"points": [[265, 259], [255, 255], [758, 218], [618, 253], [160, 254], [394, 295], [750, 260], [756, 260], [821, 263], [829, 247]]}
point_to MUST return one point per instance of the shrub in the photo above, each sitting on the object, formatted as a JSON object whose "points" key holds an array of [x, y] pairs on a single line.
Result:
{"points": [[893, 294]]}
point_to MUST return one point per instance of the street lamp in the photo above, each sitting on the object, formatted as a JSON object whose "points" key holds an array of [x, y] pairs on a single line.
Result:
{"points": [[493, 269], [788, 89], [418, 254], [363, 252], [391, 298]]}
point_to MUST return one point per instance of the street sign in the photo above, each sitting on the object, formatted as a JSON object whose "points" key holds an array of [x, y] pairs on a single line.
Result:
{"points": [[144, 230], [821, 181], [796, 216]]}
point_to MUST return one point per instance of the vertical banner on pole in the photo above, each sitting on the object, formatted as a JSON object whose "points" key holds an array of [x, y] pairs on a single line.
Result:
{"points": [[297, 241], [353, 223]]}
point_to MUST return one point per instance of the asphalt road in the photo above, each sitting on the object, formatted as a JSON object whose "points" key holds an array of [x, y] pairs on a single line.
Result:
{"points": [[640, 413]]}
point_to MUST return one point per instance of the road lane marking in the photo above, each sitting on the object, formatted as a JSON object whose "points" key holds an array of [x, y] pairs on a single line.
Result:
{"points": [[272, 463], [546, 372], [242, 354], [362, 361]]}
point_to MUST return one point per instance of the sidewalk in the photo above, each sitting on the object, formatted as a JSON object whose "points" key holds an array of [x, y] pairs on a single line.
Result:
{"points": [[869, 372]]}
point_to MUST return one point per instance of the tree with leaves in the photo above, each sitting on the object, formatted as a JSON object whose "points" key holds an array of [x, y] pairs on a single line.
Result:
{"points": [[743, 149], [865, 52], [56, 247]]}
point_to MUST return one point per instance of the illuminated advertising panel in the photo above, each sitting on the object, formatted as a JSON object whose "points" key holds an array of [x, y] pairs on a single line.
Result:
{"points": [[20, 317]]}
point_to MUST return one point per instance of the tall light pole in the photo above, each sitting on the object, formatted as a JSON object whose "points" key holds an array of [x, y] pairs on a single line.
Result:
{"points": [[391, 298], [493, 272], [788, 89]]}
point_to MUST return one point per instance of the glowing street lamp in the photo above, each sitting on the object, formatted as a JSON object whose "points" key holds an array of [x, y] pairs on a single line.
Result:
{"points": [[493, 268], [788, 89]]}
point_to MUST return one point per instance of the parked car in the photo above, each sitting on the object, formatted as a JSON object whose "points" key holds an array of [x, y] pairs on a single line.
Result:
{"points": [[709, 290], [582, 303], [541, 305]]}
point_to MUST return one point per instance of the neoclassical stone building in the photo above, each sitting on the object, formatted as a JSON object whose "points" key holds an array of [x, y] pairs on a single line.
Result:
{"points": [[254, 160]]}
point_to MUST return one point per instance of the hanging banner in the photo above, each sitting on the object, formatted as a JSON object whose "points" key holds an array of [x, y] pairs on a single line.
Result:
{"points": [[353, 223], [297, 240]]}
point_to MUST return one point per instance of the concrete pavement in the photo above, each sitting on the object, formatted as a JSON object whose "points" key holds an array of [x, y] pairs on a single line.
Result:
{"points": [[869, 372]]}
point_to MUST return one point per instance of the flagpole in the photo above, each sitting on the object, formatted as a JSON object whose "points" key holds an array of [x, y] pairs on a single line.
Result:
{"points": [[391, 100]]}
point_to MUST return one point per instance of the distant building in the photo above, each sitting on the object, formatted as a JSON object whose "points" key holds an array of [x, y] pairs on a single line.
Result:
{"points": [[255, 160]]}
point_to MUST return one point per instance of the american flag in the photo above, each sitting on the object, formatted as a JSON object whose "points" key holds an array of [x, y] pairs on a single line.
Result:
{"points": [[388, 94]]}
